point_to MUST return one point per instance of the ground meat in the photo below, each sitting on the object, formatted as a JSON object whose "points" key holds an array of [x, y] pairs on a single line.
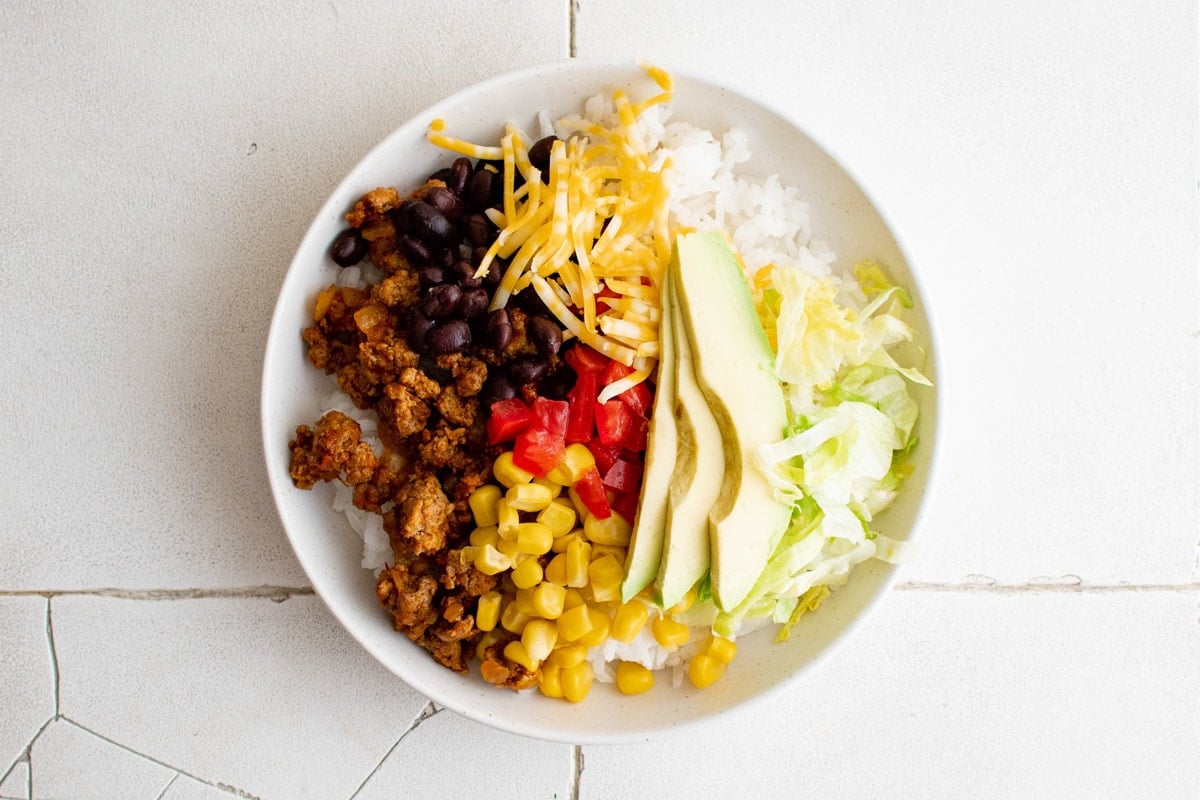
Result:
{"points": [[401, 413], [399, 290], [373, 206], [498, 669], [440, 446], [452, 654], [422, 385], [419, 522], [408, 595], [330, 450], [455, 409], [461, 573]]}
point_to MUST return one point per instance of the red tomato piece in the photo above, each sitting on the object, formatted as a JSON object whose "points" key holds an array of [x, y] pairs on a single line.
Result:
{"points": [[605, 455], [507, 419], [635, 437], [590, 489], [625, 504], [614, 423], [623, 476], [637, 398], [584, 359], [614, 371], [581, 417], [551, 416], [537, 451]]}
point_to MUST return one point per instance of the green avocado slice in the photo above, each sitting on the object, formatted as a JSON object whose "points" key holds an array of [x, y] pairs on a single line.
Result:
{"points": [[735, 370]]}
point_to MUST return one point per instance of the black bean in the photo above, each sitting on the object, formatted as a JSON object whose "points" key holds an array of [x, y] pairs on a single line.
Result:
{"points": [[557, 385], [449, 337], [348, 248], [419, 326], [529, 300], [527, 369], [495, 273], [473, 303], [432, 276], [539, 156], [484, 189], [464, 275], [460, 173], [445, 201], [400, 216], [440, 175], [500, 329], [428, 224], [545, 334], [446, 257], [440, 301], [414, 250], [497, 387], [480, 230]]}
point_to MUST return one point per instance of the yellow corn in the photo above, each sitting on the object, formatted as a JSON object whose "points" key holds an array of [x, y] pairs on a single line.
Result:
{"points": [[629, 620], [491, 561], [487, 640], [601, 624], [551, 684], [487, 612], [558, 517], [483, 504], [685, 602], [529, 496], [539, 638], [523, 600], [703, 670], [567, 655], [556, 570], [574, 598], [574, 623], [534, 538], [515, 651], [576, 502], [575, 460], [507, 519], [555, 488], [722, 649], [633, 678], [577, 681], [527, 574], [606, 572], [619, 553], [562, 542], [548, 600], [669, 633], [611, 530], [482, 536], [513, 619], [579, 554], [508, 473], [509, 548]]}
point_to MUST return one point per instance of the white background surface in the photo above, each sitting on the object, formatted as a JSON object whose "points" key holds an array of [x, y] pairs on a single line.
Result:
{"points": [[159, 167]]}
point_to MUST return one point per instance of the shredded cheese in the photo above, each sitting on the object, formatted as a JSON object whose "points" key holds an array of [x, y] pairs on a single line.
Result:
{"points": [[593, 239]]}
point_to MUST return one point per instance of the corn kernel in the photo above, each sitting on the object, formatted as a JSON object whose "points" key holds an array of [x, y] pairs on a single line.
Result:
{"points": [[507, 519], [558, 517], [574, 598], [629, 621], [722, 649], [523, 600], [669, 633], [548, 600], [487, 612], [554, 487], [704, 670], [578, 556], [556, 570], [539, 638], [483, 504], [561, 543], [601, 625], [534, 538], [574, 622], [482, 536], [611, 530], [487, 640], [577, 681], [559, 476], [575, 460], [551, 684], [513, 619], [529, 497], [527, 574], [619, 553], [508, 473], [686, 602], [490, 561], [567, 655], [606, 571], [509, 548], [633, 678], [515, 651], [577, 502]]}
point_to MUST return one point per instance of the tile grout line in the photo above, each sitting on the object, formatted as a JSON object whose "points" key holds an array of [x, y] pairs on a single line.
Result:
{"points": [[167, 788], [572, 17], [577, 778], [53, 656], [221, 786], [426, 712]]}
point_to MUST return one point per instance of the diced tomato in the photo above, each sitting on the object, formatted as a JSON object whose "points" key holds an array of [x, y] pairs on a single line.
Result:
{"points": [[581, 417], [584, 359], [623, 476], [639, 431], [590, 489], [614, 371], [614, 422], [507, 419], [537, 451], [625, 504], [551, 416], [605, 455], [637, 398]]}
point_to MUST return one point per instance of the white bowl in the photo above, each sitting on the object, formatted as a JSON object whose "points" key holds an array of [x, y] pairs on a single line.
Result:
{"points": [[330, 552]]}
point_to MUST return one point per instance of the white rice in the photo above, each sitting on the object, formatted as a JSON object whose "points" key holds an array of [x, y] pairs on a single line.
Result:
{"points": [[768, 223]]}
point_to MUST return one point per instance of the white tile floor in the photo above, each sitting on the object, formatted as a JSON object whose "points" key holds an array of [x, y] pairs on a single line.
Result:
{"points": [[157, 637]]}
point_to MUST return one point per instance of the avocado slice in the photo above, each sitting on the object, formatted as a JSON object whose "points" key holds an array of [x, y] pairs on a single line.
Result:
{"points": [[696, 481], [646, 545], [735, 370]]}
